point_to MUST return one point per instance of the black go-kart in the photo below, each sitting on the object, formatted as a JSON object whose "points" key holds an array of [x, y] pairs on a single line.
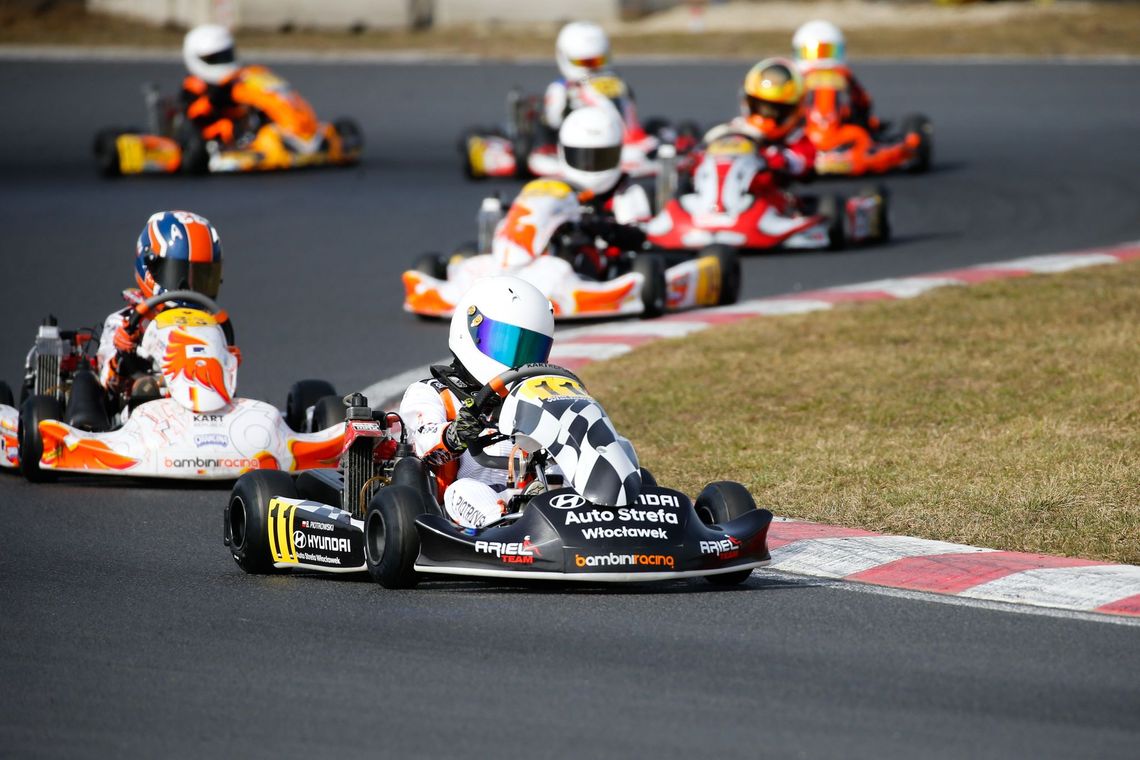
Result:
{"points": [[581, 508]]}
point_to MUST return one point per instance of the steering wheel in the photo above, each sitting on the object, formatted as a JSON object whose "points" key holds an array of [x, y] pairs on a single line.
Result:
{"points": [[181, 296]]}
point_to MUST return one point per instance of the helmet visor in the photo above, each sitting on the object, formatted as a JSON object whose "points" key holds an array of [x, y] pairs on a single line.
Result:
{"points": [[222, 56], [596, 62], [593, 159], [766, 109], [509, 345], [179, 274], [821, 51]]}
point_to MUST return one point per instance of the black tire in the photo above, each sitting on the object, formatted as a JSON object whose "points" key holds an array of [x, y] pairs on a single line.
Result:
{"points": [[6, 394], [924, 127], [32, 412], [86, 403], [721, 502], [351, 136], [195, 157], [883, 221], [328, 411], [391, 542], [247, 517], [432, 264], [302, 395], [106, 152], [729, 263], [834, 207], [652, 268]]}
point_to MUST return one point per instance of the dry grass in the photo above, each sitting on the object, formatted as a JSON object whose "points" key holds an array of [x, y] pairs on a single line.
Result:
{"points": [[1005, 415], [1106, 29]]}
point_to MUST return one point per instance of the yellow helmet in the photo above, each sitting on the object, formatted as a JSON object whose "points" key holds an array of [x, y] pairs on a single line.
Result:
{"points": [[773, 97]]}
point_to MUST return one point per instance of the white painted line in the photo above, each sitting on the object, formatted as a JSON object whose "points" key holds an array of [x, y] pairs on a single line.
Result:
{"points": [[841, 557], [1056, 262], [774, 307], [592, 351], [899, 287], [1079, 588], [657, 328]]}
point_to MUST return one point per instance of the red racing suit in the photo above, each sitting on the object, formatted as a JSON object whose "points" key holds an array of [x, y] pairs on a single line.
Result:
{"points": [[788, 160]]}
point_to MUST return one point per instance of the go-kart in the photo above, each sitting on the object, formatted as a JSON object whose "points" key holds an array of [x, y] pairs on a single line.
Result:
{"points": [[845, 147], [722, 211], [580, 506], [191, 425], [280, 132], [525, 147], [546, 239]]}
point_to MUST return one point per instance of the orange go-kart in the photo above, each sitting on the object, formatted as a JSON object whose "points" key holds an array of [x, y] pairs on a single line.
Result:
{"points": [[846, 147], [280, 131]]}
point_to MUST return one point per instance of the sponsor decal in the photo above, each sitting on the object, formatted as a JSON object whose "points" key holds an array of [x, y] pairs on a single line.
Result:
{"points": [[658, 500], [623, 531], [365, 427], [624, 560], [725, 548], [209, 419], [314, 525], [211, 439], [567, 501], [207, 463], [625, 514], [467, 511], [318, 559], [512, 553], [302, 540]]}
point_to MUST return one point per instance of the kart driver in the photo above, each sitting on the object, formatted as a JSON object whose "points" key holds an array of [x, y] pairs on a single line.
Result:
{"points": [[820, 45], [772, 115], [582, 50], [589, 158], [500, 323], [176, 250], [208, 90]]}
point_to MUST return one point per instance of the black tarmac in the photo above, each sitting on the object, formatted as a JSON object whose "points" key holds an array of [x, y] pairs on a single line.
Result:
{"points": [[126, 629]]}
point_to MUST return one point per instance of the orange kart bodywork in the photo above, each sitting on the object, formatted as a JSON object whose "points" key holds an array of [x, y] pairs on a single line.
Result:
{"points": [[850, 149], [289, 136]]}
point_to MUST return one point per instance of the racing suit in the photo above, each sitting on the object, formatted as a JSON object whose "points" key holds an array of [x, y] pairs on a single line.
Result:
{"points": [[563, 96], [212, 108], [788, 160], [472, 494], [611, 217], [855, 104]]}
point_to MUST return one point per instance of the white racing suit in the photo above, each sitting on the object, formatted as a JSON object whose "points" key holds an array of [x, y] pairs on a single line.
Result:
{"points": [[562, 97], [107, 352], [475, 498]]}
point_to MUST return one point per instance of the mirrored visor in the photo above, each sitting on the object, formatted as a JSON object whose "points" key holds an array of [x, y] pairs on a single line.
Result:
{"points": [[590, 63], [766, 109], [178, 274], [593, 159], [821, 51], [222, 56], [509, 345]]}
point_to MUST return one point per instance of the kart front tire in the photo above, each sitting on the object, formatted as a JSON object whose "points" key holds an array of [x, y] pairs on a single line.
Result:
{"points": [[34, 410], [107, 152], [195, 157], [391, 542], [721, 502], [247, 517], [432, 264], [924, 127], [304, 394], [328, 411], [652, 268], [729, 263], [834, 207], [351, 136]]}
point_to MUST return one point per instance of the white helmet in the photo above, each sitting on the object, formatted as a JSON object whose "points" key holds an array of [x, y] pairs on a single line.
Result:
{"points": [[208, 51], [500, 323], [582, 49], [819, 43], [589, 148]]}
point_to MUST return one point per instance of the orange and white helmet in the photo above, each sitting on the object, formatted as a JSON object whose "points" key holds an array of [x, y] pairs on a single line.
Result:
{"points": [[773, 100], [819, 44]]}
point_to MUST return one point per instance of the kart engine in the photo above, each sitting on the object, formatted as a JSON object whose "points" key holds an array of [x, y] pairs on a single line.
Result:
{"points": [[44, 365], [368, 456]]}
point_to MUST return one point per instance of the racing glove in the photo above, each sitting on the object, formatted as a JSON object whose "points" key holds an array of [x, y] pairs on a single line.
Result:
{"points": [[125, 339], [464, 429]]}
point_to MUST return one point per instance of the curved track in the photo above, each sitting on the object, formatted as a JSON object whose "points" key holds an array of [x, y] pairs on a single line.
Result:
{"points": [[125, 629]]}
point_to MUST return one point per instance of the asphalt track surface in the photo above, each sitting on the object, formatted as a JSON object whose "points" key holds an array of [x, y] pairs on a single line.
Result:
{"points": [[126, 630]]}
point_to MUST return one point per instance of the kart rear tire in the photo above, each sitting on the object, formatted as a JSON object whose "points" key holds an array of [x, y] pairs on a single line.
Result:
{"points": [[304, 394], [729, 262], [834, 207], [432, 264], [35, 409], [721, 502], [925, 128], [6, 394], [351, 136], [86, 404], [246, 524], [106, 151], [328, 411], [653, 291], [391, 541], [884, 214]]}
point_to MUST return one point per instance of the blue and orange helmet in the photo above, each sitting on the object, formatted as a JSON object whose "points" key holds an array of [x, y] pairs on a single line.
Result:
{"points": [[178, 250]]}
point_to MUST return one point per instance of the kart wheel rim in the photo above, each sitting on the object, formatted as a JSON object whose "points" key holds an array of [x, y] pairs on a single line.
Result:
{"points": [[237, 523], [374, 538]]}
